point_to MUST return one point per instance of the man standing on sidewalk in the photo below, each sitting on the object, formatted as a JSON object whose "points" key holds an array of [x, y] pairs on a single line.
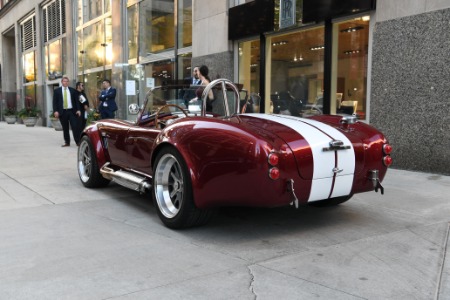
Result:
{"points": [[66, 107], [107, 106]]}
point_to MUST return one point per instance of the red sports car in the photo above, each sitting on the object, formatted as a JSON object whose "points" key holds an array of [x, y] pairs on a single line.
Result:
{"points": [[195, 155]]}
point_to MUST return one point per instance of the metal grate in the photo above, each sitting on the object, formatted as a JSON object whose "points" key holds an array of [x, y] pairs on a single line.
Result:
{"points": [[28, 31], [54, 17]]}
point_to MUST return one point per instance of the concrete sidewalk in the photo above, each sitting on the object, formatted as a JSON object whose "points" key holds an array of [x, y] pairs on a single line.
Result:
{"points": [[60, 240]]}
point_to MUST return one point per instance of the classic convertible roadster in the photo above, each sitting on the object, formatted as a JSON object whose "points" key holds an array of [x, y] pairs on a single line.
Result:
{"points": [[206, 153]]}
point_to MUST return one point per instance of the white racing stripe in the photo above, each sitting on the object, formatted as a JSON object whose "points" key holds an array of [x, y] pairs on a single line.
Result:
{"points": [[318, 135]]}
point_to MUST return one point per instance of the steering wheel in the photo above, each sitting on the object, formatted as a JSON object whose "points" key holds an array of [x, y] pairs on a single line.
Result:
{"points": [[162, 108]]}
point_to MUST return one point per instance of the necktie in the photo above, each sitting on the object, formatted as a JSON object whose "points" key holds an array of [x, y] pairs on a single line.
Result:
{"points": [[65, 98]]}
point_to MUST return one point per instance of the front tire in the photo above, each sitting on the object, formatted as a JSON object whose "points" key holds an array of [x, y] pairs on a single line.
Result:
{"points": [[87, 165], [172, 192]]}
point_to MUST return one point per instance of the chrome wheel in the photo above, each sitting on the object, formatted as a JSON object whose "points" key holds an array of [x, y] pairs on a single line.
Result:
{"points": [[169, 186], [84, 161], [87, 165]]}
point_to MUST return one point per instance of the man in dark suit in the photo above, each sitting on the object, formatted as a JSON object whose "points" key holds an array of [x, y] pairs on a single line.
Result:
{"points": [[107, 105], [66, 107], [188, 94]]}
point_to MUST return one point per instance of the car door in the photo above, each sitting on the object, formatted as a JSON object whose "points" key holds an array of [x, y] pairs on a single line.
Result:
{"points": [[113, 136], [139, 143]]}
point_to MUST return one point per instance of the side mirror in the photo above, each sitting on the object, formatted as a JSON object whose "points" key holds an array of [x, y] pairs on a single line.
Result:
{"points": [[133, 109]]}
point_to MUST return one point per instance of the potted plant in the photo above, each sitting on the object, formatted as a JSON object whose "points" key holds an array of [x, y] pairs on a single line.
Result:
{"points": [[29, 115], [10, 115], [92, 116], [55, 122]]}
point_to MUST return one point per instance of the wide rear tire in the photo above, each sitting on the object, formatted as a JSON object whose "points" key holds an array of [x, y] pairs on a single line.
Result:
{"points": [[87, 165], [172, 192], [330, 202]]}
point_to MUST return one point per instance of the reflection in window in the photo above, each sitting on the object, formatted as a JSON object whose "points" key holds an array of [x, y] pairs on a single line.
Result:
{"points": [[53, 60], [29, 67], [185, 23], [158, 33], [296, 67]]}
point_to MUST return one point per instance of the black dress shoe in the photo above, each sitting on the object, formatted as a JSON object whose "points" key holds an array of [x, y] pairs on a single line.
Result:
{"points": [[65, 145]]}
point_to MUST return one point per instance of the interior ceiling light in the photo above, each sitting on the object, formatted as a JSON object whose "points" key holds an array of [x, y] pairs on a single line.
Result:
{"points": [[315, 48], [352, 29], [348, 52], [280, 43]]}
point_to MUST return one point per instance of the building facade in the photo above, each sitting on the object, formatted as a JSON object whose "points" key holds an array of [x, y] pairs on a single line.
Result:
{"points": [[385, 61]]}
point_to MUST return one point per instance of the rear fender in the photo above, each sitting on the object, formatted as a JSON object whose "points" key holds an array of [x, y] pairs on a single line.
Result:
{"points": [[224, 161]]}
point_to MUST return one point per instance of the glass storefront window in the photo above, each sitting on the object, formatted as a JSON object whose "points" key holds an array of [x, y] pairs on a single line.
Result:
{"points": [[81, 51], [296, 66], [109, 55], [93, 86], [133, 31], [29, 67], [184, 66], [249, 65], [91, 9], [93, 39], [184, 23], [30, 95], [94, 8], [53, 60], [161, 71], [134, 73], [351, 54], [158, 29], [107, 6]]}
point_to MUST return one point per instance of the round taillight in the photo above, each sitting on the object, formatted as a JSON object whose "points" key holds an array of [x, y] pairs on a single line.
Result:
{"points": [[387, 160], [274, 173], [387, 149], [273, 159]]}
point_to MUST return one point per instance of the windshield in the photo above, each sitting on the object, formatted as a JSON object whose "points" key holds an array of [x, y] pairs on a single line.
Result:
{"points": [[219, 99]]}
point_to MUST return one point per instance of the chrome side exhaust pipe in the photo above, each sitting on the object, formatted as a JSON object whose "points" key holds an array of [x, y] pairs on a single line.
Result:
{"points": [[129, 180]]}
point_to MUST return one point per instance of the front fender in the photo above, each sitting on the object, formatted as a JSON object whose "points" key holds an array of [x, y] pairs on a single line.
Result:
{"points": [[94, 135]]}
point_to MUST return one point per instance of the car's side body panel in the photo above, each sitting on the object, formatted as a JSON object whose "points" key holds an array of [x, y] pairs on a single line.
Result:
{"points": [[227, 159], [227, 162]]}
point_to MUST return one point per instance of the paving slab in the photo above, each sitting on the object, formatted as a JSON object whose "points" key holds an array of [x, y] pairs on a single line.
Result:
{"points": [[59, 240]]}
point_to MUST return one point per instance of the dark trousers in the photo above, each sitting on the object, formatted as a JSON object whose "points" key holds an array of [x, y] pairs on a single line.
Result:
{"points": [[82, 122], [107, 114], [69, 117]]}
